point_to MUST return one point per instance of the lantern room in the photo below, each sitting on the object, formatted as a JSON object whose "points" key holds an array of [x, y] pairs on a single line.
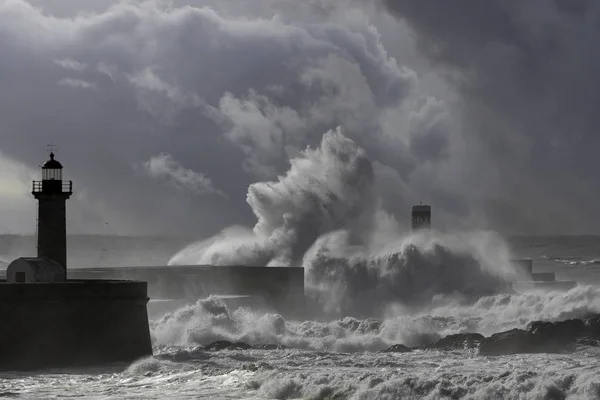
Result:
{"points": [[52, 182], [52, 170]]}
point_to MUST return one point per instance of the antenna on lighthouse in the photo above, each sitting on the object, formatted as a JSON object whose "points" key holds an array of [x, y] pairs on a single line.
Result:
{"points": [[51, 148]]}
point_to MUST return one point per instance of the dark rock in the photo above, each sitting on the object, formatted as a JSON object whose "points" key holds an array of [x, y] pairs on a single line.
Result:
{"points": [[589, 342], [592, 327], [562, 332], [543, 337], [397, 348], [194, 354], [271, 347], [458, 341], [509, 342], [256, 367], [227, 345]]}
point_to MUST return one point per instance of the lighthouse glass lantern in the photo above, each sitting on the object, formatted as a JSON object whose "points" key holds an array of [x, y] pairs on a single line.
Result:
{"points": [[52, 170]]}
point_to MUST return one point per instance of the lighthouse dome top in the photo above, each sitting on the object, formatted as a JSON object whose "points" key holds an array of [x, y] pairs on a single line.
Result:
{"points": [[52, 163]]}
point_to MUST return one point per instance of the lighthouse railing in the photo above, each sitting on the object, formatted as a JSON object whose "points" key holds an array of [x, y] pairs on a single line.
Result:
{"points": [[63, 187]]}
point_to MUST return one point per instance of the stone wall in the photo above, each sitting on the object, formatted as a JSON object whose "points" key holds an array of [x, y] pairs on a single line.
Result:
{"points": [[73, 323]]}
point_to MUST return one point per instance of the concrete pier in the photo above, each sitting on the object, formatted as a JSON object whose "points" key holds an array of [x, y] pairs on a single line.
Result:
{"points": [[73, 323], [281, 288], [538, 280]]}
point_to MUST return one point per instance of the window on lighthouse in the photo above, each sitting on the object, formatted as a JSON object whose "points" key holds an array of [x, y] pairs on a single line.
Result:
{"points": [[51, 174]]}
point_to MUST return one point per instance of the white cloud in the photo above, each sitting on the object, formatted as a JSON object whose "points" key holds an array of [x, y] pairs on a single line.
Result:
{"points": [[262, 130], [108, 70], [71, 64], [165, 167], [77, 83]]}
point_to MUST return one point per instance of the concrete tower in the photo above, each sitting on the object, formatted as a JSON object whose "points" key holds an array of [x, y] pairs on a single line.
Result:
{"points": [[421, 217], [52, 193]]}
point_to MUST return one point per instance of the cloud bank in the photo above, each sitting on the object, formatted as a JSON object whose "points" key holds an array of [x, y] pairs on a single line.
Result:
{"points": [[524, 73], [483, 114]]}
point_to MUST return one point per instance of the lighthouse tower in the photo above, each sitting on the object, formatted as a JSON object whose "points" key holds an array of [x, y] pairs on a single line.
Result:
{"points": [[421, 217], [52, 193]]}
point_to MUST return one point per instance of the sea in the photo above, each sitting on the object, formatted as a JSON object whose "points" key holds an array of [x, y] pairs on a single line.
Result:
{"points": [[338, 358]]}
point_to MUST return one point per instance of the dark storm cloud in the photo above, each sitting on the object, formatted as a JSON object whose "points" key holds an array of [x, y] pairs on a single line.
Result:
{"points": [[141, 98], [165, 114], [526, 73]]}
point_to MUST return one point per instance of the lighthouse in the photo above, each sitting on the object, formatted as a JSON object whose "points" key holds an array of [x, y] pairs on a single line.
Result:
{"points": [[421, 217], [50, 321], [52, 194]]}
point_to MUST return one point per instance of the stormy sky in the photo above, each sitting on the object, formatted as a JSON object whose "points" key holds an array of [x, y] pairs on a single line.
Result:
{"points": [[164, 113]]}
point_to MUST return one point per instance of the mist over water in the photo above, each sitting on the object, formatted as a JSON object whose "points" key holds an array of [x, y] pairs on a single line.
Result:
{"points": [[326, 189]]}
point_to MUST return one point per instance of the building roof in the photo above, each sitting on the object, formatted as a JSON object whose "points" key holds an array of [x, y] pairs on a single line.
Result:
{"points": [[52, 163], [37, 263]]}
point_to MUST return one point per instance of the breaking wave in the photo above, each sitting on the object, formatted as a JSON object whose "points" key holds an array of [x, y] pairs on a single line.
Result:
{"points": [[573, 261], [377, 285], [325, 216], [432, 380], [210, 320]]}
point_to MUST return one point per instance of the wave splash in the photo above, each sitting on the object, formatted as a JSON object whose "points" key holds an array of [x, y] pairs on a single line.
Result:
{"points": [[325, 216], [210, 320], [573, 261]]}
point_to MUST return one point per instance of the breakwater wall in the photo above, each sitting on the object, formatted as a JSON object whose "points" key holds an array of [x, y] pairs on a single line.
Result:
{"points": [[280, 287], [73, 323]]}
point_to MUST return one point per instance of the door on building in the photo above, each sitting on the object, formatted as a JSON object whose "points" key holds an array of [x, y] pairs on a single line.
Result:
{"points": [[20, 277]]}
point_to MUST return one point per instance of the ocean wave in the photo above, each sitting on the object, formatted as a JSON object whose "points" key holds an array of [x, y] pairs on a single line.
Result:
{"points": [[325, 216], [210, 320], [386, 286], [573, 261], [291, 374], [433, 380]]}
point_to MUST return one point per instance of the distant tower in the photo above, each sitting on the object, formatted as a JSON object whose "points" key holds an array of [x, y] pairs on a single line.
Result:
{"points": [[52, 194], [421, 217]]}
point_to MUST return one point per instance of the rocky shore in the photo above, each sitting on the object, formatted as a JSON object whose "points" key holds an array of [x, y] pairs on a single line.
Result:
{"points": [[538, 337]]}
